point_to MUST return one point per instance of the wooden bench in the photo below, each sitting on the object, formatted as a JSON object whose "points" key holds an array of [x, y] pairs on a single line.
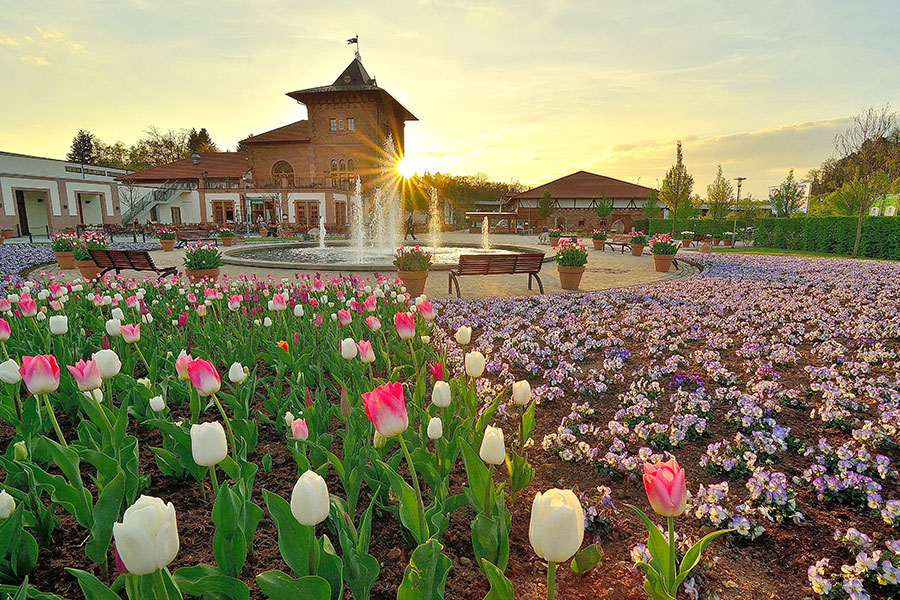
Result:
{"points": [[497, 264], [136, 260], [183, 236]]}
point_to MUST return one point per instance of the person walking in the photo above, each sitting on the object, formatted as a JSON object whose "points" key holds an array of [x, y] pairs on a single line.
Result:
{"points": [[410, 228]]}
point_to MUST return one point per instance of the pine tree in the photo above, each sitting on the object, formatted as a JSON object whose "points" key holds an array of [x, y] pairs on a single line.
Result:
{"points": [[200, 141], [677, 186], [82, 150]]}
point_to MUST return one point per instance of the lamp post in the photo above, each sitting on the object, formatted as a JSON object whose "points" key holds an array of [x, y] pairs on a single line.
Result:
{"points": [[737, 203]]}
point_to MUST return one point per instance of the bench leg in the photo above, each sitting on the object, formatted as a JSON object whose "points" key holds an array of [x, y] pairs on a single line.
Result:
{"points": [[453, 281], [538, 279], [675, 264]]}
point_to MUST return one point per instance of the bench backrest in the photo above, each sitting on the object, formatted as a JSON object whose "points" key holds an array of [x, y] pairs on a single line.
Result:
{"points": [[191, 234], [137, 260], [500, 264]]}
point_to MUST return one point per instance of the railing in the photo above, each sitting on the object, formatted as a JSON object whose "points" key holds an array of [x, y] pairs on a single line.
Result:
{"points": [[156, 196]]}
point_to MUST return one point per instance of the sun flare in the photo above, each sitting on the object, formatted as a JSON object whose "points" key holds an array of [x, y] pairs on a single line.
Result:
{"points": [[408, 166]]}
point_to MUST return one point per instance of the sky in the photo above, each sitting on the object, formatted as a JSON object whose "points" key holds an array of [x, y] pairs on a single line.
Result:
{"points": [[526, 90]]}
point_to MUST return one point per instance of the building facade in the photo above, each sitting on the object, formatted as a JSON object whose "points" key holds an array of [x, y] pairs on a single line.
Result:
{"points": [[574, 199], [298, 174], [42, 196]]}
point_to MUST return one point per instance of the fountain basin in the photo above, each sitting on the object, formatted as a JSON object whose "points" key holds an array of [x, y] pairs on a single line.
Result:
{"points": [[341, 256]]}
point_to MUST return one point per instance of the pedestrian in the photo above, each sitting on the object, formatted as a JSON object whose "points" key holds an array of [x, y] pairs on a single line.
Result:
{"points": [[410, 228]]}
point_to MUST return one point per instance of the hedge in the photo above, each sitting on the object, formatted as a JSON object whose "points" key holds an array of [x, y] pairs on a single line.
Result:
{"points": [[832, 235], [698, 226]]}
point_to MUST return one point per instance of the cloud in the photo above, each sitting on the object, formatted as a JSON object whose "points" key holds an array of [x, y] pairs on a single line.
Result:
{"points": [[34, 60], [50, 34], [8, 41]]}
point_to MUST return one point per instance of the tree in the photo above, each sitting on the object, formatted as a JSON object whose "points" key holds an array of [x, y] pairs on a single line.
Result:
{"points": [[111, 155], [719, 196], [870, 157], [82, 150], [200, 141], [788, 197], [545, 206], [604, 207], [677, 186], [651, 204]]}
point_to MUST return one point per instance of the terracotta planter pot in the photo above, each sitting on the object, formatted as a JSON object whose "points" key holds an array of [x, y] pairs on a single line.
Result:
{"points": [[2, 239], [87, 268], [727, 241], [8, 233], [554, 241], [599, 245], [198, 274], [227, 240], [685, 243], [414, 281], [717, 241], [167, 245], [663, 262], [64, 260], [569, 277], [637, 249]]}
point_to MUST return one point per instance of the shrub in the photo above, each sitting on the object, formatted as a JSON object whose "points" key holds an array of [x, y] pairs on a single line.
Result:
{"points": [[571, 254], [831, 235], [202, 256], [412, 259]]}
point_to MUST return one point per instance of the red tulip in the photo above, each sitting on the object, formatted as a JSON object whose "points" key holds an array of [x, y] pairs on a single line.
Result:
{"points": [[665, 487], [386, 408], [40, 373], [437, 371], [426, 310]]}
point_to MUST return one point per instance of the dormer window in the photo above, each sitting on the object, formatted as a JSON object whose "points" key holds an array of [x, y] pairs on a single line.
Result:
{"points": [[333, 124]]}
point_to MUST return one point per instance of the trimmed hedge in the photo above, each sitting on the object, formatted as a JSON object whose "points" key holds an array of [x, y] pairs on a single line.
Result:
{"points": [[832, 235], [698, 226]]}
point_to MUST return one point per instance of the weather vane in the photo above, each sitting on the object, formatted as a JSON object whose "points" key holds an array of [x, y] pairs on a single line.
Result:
{"points": [[355, 40]]}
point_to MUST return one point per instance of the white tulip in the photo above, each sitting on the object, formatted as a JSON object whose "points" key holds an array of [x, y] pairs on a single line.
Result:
{"points": [[435, 428], [521, 392], [13, 298], [288, 418], [492, 450], [41, 316], [557, 525], [475, 364], [348, 348], [298, 310], [117, 313], [236, 373], [309, 499], [7, 504], [267, 322], [95, 394], [157, 404], [147, 537], [463, 335], [147, 319], [208, 444], [440, 394], [59, 324], [9, 371], [114, 327], [108, 363]]}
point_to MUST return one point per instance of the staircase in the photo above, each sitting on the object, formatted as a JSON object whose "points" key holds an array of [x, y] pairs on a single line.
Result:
{"points": [[160, 195]]}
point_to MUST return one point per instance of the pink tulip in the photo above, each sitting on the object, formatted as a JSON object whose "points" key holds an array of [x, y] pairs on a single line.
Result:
{"points": [[299, 430], [386, 409], [5, 305], [86, 374], [55, 290], [131, 333], [201, 310], [204, 377], [426, 310], [665, 487], [181, 366], [278, 302], [131, 301], [234, 302], [405, 324], [5, 331], [182, 320], [366, 353], [210, 293], [40, 373], [373, 323], [318, 285], [97, 300], [28, 307], [344, 317], [370, 303]]}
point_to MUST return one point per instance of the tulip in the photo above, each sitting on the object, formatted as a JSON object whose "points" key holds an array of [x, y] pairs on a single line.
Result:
{"points": [[475, 364], [346, 409], [28, 307], [157, 404], [40, 373], [348, 348], [117, 314], [96, 395], [201, 310], [299, 430], [234, 302], [147, 537], [86, 375], [310, 503], [435, 428], [666, 489], [373, 323], [556, 529], [283, 345], [437, 371], [9, 371], [463, 335], [5, 331], [204, 377], [344, 317], [5, 305], [267, 322], [181, 365], [59, 324], [492, 450], [366, 353], [7, 504], [386, 408], [113, 327], [378, 440], [440, 394], [108, 363], [208, 444], [20, 451], [236, 373], [405, 324], [521, 391], [426, 310], [130, 333], [278, 302]]}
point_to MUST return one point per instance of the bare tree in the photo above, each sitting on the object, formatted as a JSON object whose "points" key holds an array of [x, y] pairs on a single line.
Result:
{"points": [[869, 157]]}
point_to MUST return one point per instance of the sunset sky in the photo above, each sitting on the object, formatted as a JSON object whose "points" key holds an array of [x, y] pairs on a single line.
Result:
{"points": [[518, 90]]}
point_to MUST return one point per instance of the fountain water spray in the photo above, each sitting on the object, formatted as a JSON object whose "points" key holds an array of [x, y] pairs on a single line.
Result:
{"points": [[435, 220], [357, 230], [485, 234], [321, 231]]}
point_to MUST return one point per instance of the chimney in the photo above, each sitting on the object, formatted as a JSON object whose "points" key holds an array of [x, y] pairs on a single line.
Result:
{"points": [[195, 158]]}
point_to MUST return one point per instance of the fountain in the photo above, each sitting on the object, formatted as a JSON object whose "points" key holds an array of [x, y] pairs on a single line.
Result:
{"points": [[322, 231], [357, 233], [485, 235], [435, 220]]}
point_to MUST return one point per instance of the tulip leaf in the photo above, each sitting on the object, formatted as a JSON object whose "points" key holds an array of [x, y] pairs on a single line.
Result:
{"points": [[294, 539], [106, 512], [281, 586], [91, 587], [692, 556], [478, 475], [409, 508], [426, 575], [330, 567], [230, 542], [657, 545], [490, 539], [586, 559], [206, 579], [520, 472], [501, 587], [528, 422], [487, 416], [18, 548]]}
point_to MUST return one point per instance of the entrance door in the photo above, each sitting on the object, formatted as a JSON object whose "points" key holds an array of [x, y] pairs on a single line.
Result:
{"points": [[223, 211], [340, 214], [176, 215], [23, 213]]}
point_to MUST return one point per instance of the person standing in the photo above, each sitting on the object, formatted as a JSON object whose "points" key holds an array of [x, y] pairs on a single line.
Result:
{"points": [[410, 228]]}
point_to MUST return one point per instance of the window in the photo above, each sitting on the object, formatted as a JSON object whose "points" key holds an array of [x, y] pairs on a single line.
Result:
{"points": [[176, 215], [343, 166], [351, 124], [350, 165], [333, 124], [341, 124], [78, 169], [283, 172]]}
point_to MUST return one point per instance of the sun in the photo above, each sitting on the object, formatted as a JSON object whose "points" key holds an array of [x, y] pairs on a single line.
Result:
{"points": [[408, 166]]}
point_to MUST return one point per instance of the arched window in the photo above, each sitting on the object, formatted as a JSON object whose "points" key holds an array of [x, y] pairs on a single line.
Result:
{"points": [[343, 166], [350, 165], [334, 165], [282, 169]]}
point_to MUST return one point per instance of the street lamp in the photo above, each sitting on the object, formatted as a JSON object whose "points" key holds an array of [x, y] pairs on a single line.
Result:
{"points": [[737, 203]]}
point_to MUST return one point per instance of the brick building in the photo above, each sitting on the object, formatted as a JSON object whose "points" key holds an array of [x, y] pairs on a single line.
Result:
{"points": [[295, 173], [575, 197]]}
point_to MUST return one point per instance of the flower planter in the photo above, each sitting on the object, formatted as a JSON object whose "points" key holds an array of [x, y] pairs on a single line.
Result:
{"points": [[65, 260], [414, 281], [637, 249], [554, 241], [727, 241], [663, 262], [198, 274], [87, 268], [8, 233], [569, 277], [599, 244], [227, 240], [685, 243], [717, 241], [2, 239], [167, 245]]}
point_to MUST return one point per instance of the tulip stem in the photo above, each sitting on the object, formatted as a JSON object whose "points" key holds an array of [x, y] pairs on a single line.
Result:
{"points": [[551, 580], [487, 490], [672, 573], [53, 420], [415, 361], [143, 360], [420, 502], [103, 415], [5, 353], [159, 583], [227, 427], [215, 482]]}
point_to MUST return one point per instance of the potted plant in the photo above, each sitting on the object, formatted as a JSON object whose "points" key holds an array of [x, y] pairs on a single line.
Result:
{"points": [[226, 235], [166, 238], [7, 233], [554, 235], [412, 268], [728, 238], [599, 237], [64, 244], [686, 238], [570, 260], [202, 260], [663, 249], [91, 240], [638, 241], [716, 239]]}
